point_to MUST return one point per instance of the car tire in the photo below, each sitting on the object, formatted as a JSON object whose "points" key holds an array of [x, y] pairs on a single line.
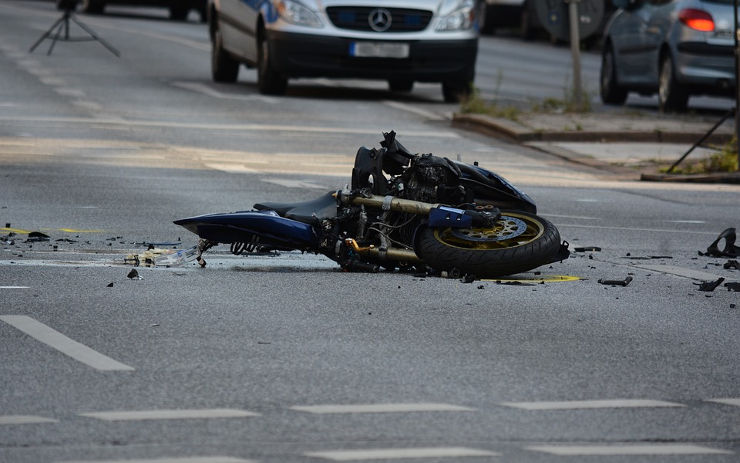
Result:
{"points": [[526, 24], [455, 91], [401, 85], [611, 92], [224, 68], [93, 6], [485, 23], [672, 96], [179, 12], [269, 81]]}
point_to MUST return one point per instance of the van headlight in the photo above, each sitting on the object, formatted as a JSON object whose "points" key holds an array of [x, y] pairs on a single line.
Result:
{"points": [[297, 13], [460, 19]]}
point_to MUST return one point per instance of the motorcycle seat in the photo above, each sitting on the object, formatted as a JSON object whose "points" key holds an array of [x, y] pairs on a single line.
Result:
{"points": [[308, 212]]}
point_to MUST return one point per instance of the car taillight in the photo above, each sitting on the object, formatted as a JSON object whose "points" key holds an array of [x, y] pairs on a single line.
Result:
{"points": [[698, 20]]}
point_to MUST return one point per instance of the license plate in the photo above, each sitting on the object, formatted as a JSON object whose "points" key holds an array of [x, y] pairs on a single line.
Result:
{"points": [[379, 50]]}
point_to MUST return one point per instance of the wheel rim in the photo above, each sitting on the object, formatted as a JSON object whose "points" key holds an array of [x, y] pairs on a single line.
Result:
{"points": [[511, 230]]}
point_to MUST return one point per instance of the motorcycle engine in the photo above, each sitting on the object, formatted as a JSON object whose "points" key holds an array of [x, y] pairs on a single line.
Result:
{"points": [[434, 180]]}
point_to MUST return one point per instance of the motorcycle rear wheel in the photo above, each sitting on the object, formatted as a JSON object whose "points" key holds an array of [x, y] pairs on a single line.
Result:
{"points": [[519, 242]]}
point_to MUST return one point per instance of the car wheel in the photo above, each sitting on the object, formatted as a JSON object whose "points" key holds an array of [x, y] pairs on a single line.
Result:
{"points": [[400, 85], [611, 92], [93, 6], [672, 96], [179, 12], [455, 91], [269, 81], [224, 68], [526, 26]]}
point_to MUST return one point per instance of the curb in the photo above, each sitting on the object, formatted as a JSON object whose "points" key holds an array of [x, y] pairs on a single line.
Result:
{"points": [[503, 127], [730, 177]]}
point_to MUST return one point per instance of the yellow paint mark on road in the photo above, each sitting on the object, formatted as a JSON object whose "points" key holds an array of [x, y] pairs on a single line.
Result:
{"points": [[15, 230], [75, 230], [20, 231], [537, 279]]}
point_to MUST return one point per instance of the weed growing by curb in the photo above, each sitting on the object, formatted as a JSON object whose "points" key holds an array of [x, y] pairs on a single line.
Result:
{"points": [[724, 160]]}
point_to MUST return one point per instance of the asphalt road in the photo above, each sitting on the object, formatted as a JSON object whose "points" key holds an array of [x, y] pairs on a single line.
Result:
{"points": [[285, 358]]}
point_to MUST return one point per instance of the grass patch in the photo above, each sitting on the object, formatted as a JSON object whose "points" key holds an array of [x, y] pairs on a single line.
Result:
{"points": [[474, 104], [724, 160]]}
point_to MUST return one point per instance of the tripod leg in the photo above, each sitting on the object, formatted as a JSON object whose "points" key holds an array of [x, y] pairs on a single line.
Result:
{"points": [[727, 115], [56, 37], [46, 35], [95, 36]]}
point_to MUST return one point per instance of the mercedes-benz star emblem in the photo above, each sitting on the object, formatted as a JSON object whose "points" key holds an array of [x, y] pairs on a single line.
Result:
{"points": [[379, 19]]}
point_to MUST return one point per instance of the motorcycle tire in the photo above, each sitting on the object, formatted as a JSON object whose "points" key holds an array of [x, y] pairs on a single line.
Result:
{"points": [[519, 242]]}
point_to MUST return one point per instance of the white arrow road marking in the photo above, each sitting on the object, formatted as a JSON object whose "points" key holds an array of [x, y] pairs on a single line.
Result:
{"points": [[585, 404], [63, 344], [735, 402], [388, 454], [641, 449], [25, 419], [140, 415], [381, 408]]}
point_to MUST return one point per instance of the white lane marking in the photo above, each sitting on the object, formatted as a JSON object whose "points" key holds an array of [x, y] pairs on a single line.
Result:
{"points": [[686, 221], [208, 91], [735, 402], [53, 81], [587, 200], [289, 183], [414, 110], [584, 404], [635, 449], [211, 459], [228, 127], [230, 167], [25, 419], [14, 287], [655, 230], [73, 92], [63, 344], [388, 454], [141, 415], [381, 408]]}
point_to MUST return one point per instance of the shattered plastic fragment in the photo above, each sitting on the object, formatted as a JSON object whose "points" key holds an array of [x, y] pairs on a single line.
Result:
{"points": [[162, 257], [733, 286], [587, 249], [730, 249], [732, 264], [133, 274], [709, 286], [624, 282], [37, 236]]}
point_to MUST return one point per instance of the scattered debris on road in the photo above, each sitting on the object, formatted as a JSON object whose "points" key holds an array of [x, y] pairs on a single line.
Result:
{"points": [[36, 236], [134, 275], [624, 282], [730, 249], [709, 286], [733, 286], [587, 249], [161, 257], [732, 264]]}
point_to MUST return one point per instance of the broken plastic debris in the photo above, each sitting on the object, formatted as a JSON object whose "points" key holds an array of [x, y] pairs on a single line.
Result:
{"points": [[730, 249], [587, 249], [733, 286], [37, 236], [133, 274], [709, 286], [624, 282], [732, 264], [162, 257]]}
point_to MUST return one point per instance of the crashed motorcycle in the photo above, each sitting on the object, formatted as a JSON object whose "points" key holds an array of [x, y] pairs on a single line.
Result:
{"points": [[415, 212]]}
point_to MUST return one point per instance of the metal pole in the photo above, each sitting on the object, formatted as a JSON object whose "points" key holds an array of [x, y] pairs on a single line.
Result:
{"points": [[737, 83], [575, 48]]}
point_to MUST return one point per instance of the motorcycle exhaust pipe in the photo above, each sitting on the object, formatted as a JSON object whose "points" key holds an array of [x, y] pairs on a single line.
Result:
{"points": [[390, 203], [394, 254]]}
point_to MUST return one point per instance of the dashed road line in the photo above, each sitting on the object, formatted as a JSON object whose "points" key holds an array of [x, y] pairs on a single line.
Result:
{"points": [[14, 287], [390, 454], [209, 459], [628, 449], [143, 415], [208, 91], [25, 419], [587, 404], [63, 344], [654, 230], [735, 402], [414, 110], [381, 408]]}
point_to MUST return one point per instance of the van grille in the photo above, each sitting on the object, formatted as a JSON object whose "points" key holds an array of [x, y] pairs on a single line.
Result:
{"points": [[358, 18]]}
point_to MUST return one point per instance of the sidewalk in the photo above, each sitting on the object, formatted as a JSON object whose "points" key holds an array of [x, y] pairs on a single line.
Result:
{"points": [[629, 145]]}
